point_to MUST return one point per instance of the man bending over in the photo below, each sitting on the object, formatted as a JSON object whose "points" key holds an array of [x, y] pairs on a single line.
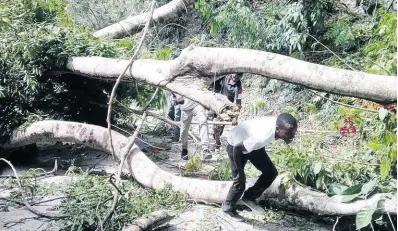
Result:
{"points": [[247, 141]]}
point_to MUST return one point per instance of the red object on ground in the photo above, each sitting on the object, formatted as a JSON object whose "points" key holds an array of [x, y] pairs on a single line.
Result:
{"points": [[352, 129], [344, 131], [391, 107]]}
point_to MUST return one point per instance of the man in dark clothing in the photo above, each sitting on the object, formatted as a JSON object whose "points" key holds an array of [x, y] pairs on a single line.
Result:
{"points": [[231, 87], [174, 113], [246, 142]]}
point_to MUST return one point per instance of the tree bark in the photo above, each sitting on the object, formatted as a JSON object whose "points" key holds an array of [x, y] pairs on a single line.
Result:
{"points": [[149, 221], [150, 175], [135, 24], [196, 67]]}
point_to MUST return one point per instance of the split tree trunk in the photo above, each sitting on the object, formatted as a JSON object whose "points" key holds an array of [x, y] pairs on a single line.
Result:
{"points": [[135, 24], [149, 221], [196, 67], [150, 175]]}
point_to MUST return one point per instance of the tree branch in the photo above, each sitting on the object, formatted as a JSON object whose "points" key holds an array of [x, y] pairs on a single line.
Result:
{"points": [[190, 73], [149, 221], [27, 205], [134, 24]]}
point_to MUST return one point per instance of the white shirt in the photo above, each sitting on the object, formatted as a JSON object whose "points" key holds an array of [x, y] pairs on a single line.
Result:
{"points": [[255, 133]]}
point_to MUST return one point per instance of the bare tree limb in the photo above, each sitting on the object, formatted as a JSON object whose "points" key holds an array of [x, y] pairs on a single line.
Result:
{"points": [[343, 104], [135, 24], [193, 70]]}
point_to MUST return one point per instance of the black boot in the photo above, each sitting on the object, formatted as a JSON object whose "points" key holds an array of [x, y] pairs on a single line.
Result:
{"points": [[184, 154]]}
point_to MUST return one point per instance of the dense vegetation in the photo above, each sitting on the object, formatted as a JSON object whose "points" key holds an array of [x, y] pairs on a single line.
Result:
{"points": [[38, 36]]}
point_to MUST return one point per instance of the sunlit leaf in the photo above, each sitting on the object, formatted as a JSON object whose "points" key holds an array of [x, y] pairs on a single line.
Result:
{"points": [[352, 190], [348, 198], [317, 167], [385, 167], [364, 217], [368, 187]]}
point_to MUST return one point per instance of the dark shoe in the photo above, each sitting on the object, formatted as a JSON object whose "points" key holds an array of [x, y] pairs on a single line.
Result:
{"points": [[253, 205], [175, 140], [207, 155], [184, 154], [233, 215]]}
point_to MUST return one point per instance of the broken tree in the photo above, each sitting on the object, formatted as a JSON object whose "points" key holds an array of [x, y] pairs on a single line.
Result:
{"points": [[150, 175], [197, 67]]}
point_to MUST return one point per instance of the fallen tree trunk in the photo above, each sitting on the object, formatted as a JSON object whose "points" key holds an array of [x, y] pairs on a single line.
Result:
{"points": [[196, 67], [149, 221], [135, 24], [150, 175]]}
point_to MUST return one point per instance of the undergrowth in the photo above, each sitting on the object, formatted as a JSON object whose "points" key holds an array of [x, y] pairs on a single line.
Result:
{"points": [[88, 198]]}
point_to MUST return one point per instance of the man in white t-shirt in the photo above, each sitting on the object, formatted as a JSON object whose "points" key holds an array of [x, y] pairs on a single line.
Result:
{"points": [[246, 142]]}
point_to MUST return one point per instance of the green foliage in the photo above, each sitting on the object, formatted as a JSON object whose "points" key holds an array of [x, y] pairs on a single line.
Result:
{"points": [[257, 107], [380, 53], [37, 37], [282, 26], [193, 165], [90, 197], [33, 43], [97, 14], [221, 172], [341, 36]]}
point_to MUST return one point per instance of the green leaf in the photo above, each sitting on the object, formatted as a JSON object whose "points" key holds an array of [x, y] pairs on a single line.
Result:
{"points": [[385, 167], [337, 189], [348, 198], [352, 190], [364, 217], [318, 182], [383, 113], [375, 146], [393, 153], [317, 168], [368, 187]]}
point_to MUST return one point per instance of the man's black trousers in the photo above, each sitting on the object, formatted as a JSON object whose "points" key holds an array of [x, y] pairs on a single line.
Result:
{"points": [[262, 162]]}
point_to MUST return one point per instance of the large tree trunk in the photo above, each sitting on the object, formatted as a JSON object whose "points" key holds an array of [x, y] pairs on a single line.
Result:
{"points": [[150, 175], [135, 24], [196, 67]]}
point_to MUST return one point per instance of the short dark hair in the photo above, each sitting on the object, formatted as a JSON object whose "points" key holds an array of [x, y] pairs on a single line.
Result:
{"points": [[286, 120]]}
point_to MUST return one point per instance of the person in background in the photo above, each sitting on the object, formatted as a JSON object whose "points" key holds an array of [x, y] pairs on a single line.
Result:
{"points": [[246, 142], [174, 113], [231, 87], [189, 109]]}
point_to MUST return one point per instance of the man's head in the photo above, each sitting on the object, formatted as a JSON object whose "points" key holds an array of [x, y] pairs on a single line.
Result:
{"points": [[286, 127], [236, 77]]}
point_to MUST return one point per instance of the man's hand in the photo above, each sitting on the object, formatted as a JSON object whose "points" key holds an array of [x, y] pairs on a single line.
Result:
{"points": [[234, 121], [240, 178], [179, 100]]}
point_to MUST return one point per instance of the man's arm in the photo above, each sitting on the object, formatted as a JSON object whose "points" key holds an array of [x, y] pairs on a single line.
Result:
{"points": [[238, 102]]}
